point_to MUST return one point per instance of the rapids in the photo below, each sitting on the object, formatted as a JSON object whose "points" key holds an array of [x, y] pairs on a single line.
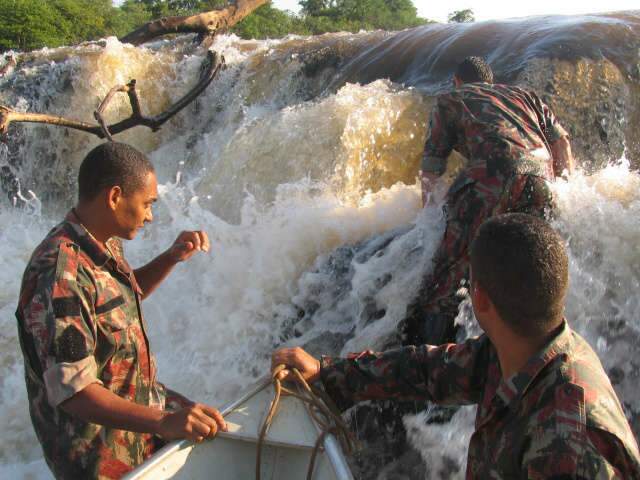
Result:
{"points": [[300, 161]]}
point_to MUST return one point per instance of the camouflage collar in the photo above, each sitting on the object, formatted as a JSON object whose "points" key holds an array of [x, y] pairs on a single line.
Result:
{"points": [[86, 241], [513, 388], [101, 257]]}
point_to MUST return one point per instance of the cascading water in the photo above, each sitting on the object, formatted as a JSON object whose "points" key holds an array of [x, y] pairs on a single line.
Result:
{"points": [[300, 162]]}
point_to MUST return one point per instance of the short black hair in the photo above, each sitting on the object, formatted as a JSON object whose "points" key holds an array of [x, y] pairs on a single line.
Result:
{"points": [[474, 69], [522, 265], [111, 164]]}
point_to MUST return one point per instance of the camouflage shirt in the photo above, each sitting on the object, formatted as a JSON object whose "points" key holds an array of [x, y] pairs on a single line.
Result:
{"points": [[502, 130], [80, 322], [556, 418]]}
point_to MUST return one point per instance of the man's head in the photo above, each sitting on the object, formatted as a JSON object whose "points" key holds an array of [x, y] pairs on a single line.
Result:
{"points": [[473, 70], [521, 264], [118, 182]]}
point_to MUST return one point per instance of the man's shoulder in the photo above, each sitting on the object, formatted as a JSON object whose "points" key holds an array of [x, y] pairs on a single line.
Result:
{"points": [[58, 255], [583, 368], [575, 398], [578, 382], [490, 91], [601, 404]]}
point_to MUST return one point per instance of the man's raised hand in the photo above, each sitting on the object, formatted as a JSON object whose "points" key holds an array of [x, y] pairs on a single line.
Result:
{"points": [[188, 243], [297, 358]]}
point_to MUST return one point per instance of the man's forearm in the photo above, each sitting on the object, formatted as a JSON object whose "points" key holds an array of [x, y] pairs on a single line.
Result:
{"points": [[446, 374], [153, 273], [427, 182], [562, 156], [96, 404]]}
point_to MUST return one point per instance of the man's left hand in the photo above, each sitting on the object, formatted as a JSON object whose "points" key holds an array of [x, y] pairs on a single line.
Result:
{"points": [[187, 244]]}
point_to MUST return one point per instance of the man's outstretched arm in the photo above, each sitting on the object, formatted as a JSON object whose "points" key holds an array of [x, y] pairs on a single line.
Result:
{"points": [[562, 156], [150, 276], [557, 138], [429, 183], [438, 145], [98, 405], [446, 374]]}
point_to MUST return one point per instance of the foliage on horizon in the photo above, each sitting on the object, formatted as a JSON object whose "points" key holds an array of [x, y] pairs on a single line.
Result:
{"points": [[462, 16], [33, 24]]}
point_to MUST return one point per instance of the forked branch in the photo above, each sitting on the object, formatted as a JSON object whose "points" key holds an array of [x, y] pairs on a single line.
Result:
{"points": [[205, 23], [11, 62], [214, 63]]}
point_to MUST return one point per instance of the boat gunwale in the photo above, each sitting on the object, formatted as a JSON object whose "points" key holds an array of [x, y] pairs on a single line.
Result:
{"points": [[331, 446]]}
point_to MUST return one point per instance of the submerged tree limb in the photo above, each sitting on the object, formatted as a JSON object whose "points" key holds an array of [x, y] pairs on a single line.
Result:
{"points": [[214, 63], [205, 23], [11, 62]]}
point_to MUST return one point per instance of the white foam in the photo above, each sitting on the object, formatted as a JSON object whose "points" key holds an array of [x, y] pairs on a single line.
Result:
{"points": [[278, 181]]}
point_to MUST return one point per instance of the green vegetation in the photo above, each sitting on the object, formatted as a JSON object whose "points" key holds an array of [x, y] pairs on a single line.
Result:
{"points": [[462, 16], [321, 16], [31, 24]]}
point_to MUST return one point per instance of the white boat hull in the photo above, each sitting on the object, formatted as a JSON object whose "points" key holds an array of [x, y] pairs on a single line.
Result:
{"points": [[286, 451], [231, 459]]}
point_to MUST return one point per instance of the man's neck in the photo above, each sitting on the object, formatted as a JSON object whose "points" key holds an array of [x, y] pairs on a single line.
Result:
{"points": [[514, 351], [87, 216]]}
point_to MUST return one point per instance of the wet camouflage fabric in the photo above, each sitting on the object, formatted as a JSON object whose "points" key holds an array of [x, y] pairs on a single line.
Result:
{"points": [[80, 322], [504, 132], [502, 129], [466, 210], [556, 418]]}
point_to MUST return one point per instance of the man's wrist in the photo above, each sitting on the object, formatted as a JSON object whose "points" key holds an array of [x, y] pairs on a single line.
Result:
{"points": [[316, 376], [323, 362], [169, 257], [158, 417]]}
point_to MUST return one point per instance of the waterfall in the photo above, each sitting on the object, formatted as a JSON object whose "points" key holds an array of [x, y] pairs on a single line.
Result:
{"points": [[300, 160]]}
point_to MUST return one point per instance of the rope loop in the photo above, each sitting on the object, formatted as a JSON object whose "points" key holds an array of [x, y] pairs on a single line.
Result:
{"points": [[320, 408]]}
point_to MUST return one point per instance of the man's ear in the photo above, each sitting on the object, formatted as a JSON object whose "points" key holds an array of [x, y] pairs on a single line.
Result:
{"points": [[114, 196], [480, 298]]}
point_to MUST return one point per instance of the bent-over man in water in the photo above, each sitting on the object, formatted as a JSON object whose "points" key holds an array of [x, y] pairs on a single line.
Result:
{"points": [[96, 405], [546, 408], [514, 145]]}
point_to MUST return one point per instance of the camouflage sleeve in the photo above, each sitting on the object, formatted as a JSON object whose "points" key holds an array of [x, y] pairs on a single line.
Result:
{"points": [[447, 374], [441, 138], [579, 455], [59, 320], [553, 131]]}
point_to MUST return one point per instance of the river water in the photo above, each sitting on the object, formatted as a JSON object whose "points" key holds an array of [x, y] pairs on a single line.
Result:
{"points": [[300, 161]]}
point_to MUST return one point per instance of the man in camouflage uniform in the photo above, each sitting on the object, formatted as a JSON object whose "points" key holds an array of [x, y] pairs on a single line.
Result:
{"points": [[546, 408], [94, 399], [513, 144]]}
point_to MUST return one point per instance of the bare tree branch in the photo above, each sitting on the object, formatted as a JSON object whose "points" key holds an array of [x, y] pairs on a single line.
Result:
{"points": [[205, 23], [214, 63], [11, 62]]}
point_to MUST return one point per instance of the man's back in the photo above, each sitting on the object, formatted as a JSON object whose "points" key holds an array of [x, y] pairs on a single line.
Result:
{"points": [[557, 416], [502, 130]]}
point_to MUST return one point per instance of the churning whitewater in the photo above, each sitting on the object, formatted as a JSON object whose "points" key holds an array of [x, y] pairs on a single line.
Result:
{"points": [[300, 163]]}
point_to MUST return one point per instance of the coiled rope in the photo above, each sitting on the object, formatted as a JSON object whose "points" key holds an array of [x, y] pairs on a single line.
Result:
{"points": [[320, 408]]}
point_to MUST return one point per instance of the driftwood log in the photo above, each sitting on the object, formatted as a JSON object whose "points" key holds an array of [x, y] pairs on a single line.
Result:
{"points": [[207, 24], [214, 63]]}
